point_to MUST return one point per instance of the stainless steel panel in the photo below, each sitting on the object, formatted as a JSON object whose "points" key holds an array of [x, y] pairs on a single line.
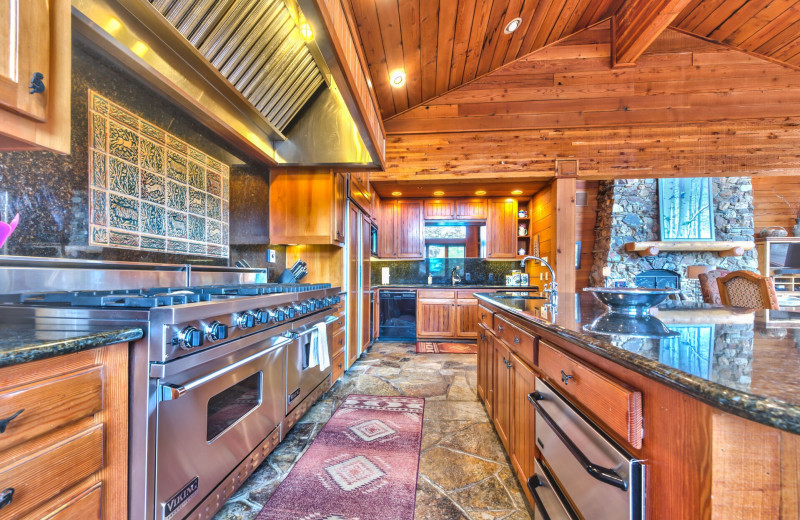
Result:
{"points": [[301, 379], [546, 496], [592, 498]]}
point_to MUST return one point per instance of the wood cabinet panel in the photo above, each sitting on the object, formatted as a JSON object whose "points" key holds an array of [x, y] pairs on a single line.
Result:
{"points": [[501, 229], [470, 209], [523, 447], [439, 209], [435, 318], [360, 192], [337, 343], [485, 317], [519, 341], [339, 205], [353, 296], [409, 235], [467, 318], [387, 228], [503, 377], [337, 366], [366, 273], [483, 339], [306, 207], [613, 403], [436, 293], [85, 505]]}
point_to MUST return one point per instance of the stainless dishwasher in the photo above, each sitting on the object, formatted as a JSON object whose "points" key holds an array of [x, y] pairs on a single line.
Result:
{"points": [[585, 474]]}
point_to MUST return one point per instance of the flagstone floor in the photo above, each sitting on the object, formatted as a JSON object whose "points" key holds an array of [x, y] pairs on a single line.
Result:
{"points": [[463, 474]]}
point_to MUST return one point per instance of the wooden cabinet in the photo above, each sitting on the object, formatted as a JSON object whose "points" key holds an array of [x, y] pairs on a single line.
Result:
{"points": [[436, 317], [501, 229], [366, 279], [401, 230], [35, 36], [485, 372], [439, 209], [306, 207], [522, 450], [470, 209], [376, 205], [65, 453], [503, 378], [360, 191], [467, 317]]}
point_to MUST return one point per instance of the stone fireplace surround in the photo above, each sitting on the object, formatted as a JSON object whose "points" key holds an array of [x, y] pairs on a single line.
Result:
{"points": [[627, 211]]}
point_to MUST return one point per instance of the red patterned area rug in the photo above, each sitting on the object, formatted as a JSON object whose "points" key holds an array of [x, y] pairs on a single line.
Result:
{"points": [[362, 465], [440, 347]]}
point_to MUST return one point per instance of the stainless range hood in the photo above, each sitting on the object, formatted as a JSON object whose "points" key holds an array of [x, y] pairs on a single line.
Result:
{"points": [[248, 69]]}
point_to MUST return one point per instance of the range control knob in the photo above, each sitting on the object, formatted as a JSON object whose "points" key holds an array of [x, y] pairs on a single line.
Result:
{"points": [[263, 316], [312, 304], [326, 302], [216, 331], [190, 337], [246, 320], [300, 308], [336, 299], [278, 314], [288, 312]]}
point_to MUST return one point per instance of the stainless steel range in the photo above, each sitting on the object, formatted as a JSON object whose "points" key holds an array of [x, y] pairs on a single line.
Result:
{"points": [[213, 379]]}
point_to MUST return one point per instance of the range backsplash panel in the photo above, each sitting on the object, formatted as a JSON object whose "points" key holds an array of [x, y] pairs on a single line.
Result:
{"points": [[152, 191]]}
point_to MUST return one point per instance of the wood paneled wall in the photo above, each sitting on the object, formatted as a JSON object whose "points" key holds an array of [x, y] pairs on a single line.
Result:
{"points": [[325, 263], [689, 108], [542, 213], [585, 218], [769, 209]]}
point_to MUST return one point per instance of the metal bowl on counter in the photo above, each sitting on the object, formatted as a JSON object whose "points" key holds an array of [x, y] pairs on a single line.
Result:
{"points": [[630, 301], [618, 324]]}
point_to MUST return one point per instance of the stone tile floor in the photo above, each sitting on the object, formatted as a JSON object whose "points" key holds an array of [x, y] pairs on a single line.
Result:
{"points": [[464, 473]]}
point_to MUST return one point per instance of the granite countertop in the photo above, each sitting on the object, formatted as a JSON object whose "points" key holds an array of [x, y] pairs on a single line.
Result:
{"points": [[449, 286], [741, 361], [23, 343]]}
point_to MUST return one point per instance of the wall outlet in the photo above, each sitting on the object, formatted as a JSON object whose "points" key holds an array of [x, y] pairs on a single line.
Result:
{"points": [[271, 257], [606, 271]]}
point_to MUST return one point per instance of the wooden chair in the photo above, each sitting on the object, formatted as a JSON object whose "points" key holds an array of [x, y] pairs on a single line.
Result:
{"points": [[709, 286], [747, 289]]}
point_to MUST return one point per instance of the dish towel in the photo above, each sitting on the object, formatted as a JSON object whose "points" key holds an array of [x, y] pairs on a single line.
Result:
{"points": [[323, 355], [313, 349]]}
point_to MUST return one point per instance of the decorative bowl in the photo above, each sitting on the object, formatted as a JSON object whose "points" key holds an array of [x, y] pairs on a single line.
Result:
{"points": [[630, 301], [616, 324]]}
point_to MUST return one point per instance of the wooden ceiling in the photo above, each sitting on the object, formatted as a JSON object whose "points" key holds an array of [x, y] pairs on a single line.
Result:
{"points": [[442, 44], [457, 188]]}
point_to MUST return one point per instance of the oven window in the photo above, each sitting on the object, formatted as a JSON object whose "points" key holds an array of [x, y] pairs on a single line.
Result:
{"points": [[232, 404]]}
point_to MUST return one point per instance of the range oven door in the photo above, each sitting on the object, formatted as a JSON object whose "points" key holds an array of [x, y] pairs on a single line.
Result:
{"points": [[595, 475], [211, 416], [302, 377]]}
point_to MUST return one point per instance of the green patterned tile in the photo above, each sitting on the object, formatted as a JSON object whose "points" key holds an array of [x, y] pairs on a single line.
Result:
{"points": [[177, 246], [98, 103], [213, 164], [98, 169], [197, 228], [214, 183], [153, 188], [153, 243], [198, 249], [152, 156], [123, 212], [215, 250], [123, 116], [176, 144], [197, 176], [225, 236], [226, 186], [123, 177], [197, 155], [153, 219], [177, 224], [123, 143], [225, 214], [176, 166], [98, 131], [197, 202], [176, 196], [98, 208], [214, 232], [153, 132], [119, 238], [213, 207], [99, 235]]}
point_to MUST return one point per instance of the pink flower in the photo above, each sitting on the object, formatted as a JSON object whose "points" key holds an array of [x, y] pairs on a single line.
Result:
{"points": [[7, 229]]}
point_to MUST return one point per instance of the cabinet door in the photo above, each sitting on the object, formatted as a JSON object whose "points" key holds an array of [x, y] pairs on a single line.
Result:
{"points": [[386, 230], [24, 51], [488, 372], [353, 296], [471, 209], [436, 318], [523, 449], [339, 205], [483, 339], [439, 209], [467, 318], [409, 230], [501, 229], [365, 282], [502, 395]]}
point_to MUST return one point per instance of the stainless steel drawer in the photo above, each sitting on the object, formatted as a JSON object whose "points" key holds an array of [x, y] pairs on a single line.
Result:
{"points": [[549, 505], [601, 480]]}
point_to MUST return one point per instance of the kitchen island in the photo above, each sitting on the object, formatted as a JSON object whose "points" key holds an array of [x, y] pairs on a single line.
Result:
{"points": [[711, 406]]}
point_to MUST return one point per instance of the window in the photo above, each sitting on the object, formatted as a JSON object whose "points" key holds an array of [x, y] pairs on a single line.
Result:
{"points": [[447, 232], [446, 251]]}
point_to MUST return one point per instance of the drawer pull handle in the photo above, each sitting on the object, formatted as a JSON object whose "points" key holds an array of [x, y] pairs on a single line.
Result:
{"points": [[605, 475], [516, 340], [4, 424], [483, 337], [499, 328], [565, 378], [6, 496]]}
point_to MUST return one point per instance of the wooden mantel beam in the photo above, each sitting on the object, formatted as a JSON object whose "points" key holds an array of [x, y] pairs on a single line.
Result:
{"points": [[637, 24]]}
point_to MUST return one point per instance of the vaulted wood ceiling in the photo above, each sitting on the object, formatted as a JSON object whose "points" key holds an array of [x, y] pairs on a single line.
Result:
{"points": [[442, 44]]}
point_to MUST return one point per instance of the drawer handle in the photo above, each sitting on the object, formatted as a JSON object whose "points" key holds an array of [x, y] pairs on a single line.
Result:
{"points": [[508, 365], [499, 328], [605, 475], [483, 337], [516, 340], [6, 496], [4, 423], [565, 378]]}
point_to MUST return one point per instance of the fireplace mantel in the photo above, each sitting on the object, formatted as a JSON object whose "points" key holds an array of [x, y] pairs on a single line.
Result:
{"points": [[723, 248]]}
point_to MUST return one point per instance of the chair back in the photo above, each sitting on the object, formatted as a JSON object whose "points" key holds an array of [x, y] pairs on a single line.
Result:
{"points": [[747, 289], [709, 286]]}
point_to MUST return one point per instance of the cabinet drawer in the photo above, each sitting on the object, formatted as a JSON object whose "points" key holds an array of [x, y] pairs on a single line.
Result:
{"points": [[337, 366], [613, 403], [433, 293], [485, 317], [83, 505], [51, 470], [521, 343], [338, 343], [338, 325], [42, 404]]}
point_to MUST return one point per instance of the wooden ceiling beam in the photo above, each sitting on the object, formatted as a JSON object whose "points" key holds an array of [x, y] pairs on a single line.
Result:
{"points": [[637, 24]]}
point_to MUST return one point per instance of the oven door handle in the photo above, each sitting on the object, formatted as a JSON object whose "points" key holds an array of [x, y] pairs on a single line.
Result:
{"points": [[605, 475], [533, 483], [170, 392]]}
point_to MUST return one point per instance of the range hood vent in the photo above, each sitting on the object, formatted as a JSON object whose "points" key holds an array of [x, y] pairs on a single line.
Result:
{"points": [[256, 45]]}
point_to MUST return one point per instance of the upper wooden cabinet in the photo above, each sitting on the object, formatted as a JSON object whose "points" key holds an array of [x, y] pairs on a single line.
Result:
{"points": [[501, 229], [470, 209], [439, 209], [306, 207], [376, 205], [401, 230], [35, 69], [360, 191]]}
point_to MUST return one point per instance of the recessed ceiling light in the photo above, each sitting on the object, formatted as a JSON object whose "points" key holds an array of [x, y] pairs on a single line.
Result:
{"points": [[438, 193], [397, 78], [516, 192], [306, 32], [480, 192], [396, 193], [513, 25]]}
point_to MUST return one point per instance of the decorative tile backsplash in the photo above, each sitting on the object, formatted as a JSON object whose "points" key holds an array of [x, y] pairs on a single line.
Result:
{"points": [[150, 190]]}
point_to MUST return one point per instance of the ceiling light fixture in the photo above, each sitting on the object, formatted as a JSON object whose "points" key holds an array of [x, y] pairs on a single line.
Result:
{"points": [[513, 25], [396, 193], [516, 192], [480, 192], [438, 193], [306, 32], [397, 78]]}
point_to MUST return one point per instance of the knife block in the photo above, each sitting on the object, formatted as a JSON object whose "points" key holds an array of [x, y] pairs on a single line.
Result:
{"points": [[286, 277]]}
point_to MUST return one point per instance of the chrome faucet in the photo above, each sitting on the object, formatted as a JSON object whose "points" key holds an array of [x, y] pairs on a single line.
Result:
{"points": [[454, 277], [551, 289]]}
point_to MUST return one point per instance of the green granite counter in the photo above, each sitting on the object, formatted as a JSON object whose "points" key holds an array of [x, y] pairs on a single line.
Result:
{"points": [[23, 343], [741, 361]]}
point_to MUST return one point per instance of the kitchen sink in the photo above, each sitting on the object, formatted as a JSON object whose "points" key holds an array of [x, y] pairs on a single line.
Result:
{"points": [[518, 296]]}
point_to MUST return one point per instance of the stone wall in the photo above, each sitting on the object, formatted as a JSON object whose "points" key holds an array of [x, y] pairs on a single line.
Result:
{"points": [[627, 211]]}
